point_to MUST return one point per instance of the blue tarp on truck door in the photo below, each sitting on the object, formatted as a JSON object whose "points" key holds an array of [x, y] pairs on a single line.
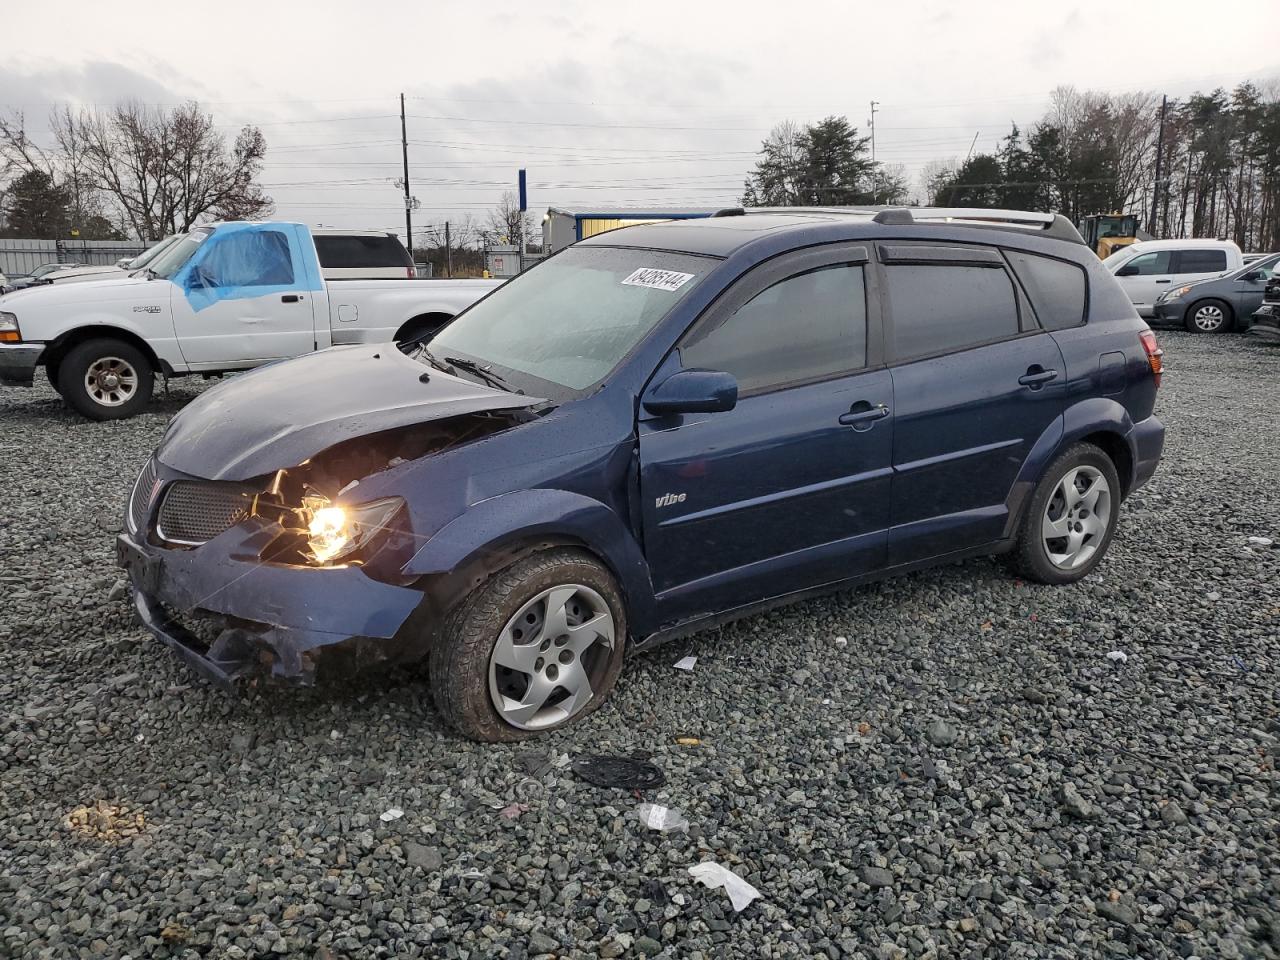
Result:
{"points": [[243, 260]]}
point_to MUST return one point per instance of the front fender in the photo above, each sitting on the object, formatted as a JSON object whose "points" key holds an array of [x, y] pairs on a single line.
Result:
{"points": [[489, 534]]}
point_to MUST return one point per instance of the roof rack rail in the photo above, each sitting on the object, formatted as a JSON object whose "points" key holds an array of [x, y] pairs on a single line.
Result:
{"points": [[1053, 225]]}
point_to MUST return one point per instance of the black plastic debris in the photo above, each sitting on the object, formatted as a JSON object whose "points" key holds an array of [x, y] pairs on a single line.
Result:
{"points": [[627, 773]]}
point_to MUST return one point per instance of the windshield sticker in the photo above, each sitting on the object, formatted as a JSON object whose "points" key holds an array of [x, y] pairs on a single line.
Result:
{"points": [[658, 279]]}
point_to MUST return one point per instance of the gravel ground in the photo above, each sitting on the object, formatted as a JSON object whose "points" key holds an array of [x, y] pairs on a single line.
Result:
{"points": [[969, 774]]}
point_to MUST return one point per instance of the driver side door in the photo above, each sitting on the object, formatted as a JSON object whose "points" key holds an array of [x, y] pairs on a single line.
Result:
{"points": [[790, 488], [245, 297], [1146, 277]]}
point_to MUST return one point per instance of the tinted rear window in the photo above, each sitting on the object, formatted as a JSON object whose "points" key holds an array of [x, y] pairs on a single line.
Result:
{"points": [[1202, 261], [1056, 288], [356, 252], [943, 308]]}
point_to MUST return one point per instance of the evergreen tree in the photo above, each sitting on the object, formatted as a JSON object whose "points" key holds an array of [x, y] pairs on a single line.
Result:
{"points": [[37, 208]]}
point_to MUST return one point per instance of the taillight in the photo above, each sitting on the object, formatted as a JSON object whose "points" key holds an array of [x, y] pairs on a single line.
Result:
{"points": [[411, 272], [1155, 356]]}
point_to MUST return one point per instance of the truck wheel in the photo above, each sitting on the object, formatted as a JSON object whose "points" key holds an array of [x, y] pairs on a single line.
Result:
{"points": [[1208, 316], [1071, 518], [106, 379], [535, 647]]}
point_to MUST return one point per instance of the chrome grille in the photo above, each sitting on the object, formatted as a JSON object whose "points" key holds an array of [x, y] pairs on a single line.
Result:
{"points": [[195, 511], [144, 494]]}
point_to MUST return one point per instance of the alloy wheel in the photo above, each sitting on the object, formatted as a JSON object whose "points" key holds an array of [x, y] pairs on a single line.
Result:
{"points": [[551, 657], [1076, 518], [111, 381], [1208, 318]]}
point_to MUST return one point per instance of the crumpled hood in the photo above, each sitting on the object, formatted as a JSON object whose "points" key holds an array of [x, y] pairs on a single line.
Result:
{"points": [[282, 414]]}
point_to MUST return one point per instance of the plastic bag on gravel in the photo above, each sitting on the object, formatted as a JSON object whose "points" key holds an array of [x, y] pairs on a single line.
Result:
{"points": [[711, 874], [663, 819]]}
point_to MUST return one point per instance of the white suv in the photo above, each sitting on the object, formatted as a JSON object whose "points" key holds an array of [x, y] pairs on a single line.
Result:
{"points": [[362, 255], [1148, 268]]}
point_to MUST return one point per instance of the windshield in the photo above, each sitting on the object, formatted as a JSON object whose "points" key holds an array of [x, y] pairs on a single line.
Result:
{"points": [[148, 256], [1117, 258], [171, 260], [570, 321], [44, 268]]}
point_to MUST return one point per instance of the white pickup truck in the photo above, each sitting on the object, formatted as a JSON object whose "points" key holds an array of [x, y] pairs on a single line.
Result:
{"points": [[228, 296]]}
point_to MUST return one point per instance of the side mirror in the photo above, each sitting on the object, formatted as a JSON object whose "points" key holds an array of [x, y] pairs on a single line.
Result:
{"points": [[1253, 276], [693, 391], [1127, 271]]}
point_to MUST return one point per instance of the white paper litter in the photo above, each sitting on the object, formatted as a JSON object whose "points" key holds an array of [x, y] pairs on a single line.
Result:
{"points": [[711, 874], [657, 817], [685, 663], [1119, 656], [1261, 541], [395, 813], [842, 641]]}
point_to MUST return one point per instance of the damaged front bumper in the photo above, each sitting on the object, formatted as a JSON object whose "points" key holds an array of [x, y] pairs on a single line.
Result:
{"points": [[229, 614]]}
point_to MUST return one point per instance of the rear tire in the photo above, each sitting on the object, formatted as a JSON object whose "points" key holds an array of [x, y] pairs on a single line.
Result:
{"points": [[106, 379], [535, 647], [1208, 316], [1071, 518]]}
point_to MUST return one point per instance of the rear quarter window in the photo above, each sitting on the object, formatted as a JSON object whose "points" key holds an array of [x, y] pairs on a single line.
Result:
{"points": [[359, 252], [1058, 289]]}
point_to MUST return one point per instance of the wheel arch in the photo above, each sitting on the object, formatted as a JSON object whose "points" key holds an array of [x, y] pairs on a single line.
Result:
{"points": [[57, 350], [500, 531], [1102, 421], [420, 321]]}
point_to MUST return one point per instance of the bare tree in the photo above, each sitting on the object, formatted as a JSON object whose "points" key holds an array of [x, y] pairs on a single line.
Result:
{"points": [[507, 222], [935, 175], [152, 171]]}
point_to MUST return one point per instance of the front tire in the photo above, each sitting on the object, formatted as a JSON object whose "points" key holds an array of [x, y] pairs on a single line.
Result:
{"points": [[537, 646], [1208, 316], [106, 379], [1069, 523]]}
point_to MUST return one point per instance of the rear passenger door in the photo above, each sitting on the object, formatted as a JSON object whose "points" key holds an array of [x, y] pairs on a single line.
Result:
{"points": [[790, 488], [975, 383]]}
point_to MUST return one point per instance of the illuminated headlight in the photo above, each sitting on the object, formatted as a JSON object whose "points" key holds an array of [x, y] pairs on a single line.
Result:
{"points": [[335, 531], [9, 332], [1176, 294]]}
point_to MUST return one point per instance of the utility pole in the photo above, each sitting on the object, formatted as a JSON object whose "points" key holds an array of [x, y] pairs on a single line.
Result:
{"points": [[408, 201], [875, 173], [448, 251], [1155, 187]]}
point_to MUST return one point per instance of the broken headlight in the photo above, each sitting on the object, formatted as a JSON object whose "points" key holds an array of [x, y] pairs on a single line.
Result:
{"points": [[335, 531]]}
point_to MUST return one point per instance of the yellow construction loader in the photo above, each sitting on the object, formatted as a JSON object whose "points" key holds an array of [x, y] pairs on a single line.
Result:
{"points": [[1105, 233]]}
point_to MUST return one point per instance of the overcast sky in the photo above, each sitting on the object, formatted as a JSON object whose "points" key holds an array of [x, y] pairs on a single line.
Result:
{"points": [[604, 103]]}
